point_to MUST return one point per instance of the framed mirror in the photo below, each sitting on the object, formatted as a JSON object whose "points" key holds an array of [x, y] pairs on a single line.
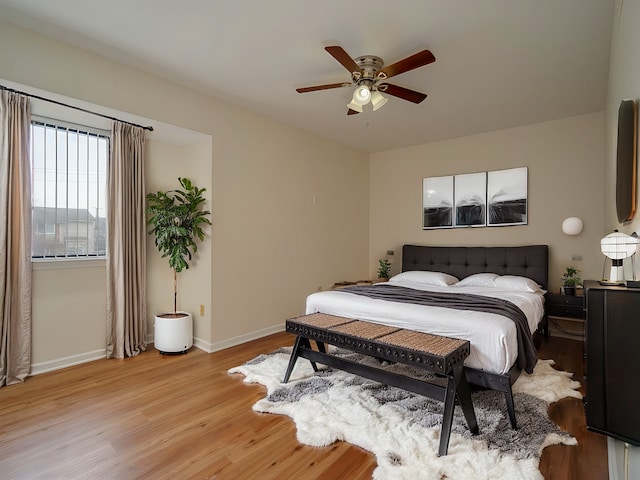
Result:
{"points": [[626, 164]]}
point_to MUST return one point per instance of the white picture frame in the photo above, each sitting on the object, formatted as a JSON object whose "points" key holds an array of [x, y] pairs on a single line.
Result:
{"points": [[437, 202], [507, 197], [470, 194]]}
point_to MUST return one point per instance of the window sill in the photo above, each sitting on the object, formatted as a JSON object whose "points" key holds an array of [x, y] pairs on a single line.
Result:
{"points": [[61, 263]]}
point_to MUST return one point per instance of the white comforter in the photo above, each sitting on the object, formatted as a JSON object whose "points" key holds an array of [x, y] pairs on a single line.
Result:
{"points": [[494, 346]]}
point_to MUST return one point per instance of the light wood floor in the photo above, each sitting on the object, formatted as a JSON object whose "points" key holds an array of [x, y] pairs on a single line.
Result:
{"points": [[183, 417]]}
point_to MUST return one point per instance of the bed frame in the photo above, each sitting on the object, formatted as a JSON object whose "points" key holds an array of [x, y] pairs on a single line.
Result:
{"points": [[530, 261]]}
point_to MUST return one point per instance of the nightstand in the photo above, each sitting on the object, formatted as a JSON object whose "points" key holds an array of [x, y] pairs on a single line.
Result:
{"points": [[566, 314], [339, 285]]}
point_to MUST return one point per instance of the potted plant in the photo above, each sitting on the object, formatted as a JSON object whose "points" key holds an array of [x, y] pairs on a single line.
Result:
{"points": [[571, 280], [176, 219], [384, 270]]}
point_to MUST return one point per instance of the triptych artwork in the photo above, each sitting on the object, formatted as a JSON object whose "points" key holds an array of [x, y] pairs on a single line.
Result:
{"points": [[482, 199]]}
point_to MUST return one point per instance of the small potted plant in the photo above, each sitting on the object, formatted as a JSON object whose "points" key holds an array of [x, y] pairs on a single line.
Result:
{"points": [[176, 219], [384, 270], [571, 280]]}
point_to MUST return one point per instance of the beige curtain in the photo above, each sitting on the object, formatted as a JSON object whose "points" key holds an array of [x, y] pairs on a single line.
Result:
{"points": [[126, 281], [15, 238]]}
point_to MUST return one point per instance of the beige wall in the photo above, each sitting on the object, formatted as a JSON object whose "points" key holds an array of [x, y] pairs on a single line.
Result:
{"points": [[69, 319], [565, 169], [164, 163], [292, 213], [270, 243], [624, 84]]}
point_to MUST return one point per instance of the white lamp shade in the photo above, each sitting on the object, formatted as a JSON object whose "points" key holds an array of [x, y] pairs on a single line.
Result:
{"points": [[362, 95], [618, 246], [355, 106], [572, 226], [378, 100]]}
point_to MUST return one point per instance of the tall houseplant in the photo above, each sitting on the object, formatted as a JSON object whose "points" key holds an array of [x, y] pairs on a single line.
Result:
{"points": [[176, 219]]}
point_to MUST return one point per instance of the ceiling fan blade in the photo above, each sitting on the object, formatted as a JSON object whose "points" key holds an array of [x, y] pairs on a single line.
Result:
{"points": [[420, 59], [344, 58], [352, 112], [403, 93], [322, 87]]}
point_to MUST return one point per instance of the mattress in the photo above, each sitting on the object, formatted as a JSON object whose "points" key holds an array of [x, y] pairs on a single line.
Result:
{"points": [[494, 346]]}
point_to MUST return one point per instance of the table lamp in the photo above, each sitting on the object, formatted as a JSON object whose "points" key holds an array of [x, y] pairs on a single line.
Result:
{"points": [[616, 247]]}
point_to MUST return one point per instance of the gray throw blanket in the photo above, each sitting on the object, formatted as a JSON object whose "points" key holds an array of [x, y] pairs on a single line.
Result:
{"points": [[527, 355]]}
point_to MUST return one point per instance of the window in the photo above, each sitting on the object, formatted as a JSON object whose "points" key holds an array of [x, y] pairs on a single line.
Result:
{"points": [[46, 228], [68, 198]]}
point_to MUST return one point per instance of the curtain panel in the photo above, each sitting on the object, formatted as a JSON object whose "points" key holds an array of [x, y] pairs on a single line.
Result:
{"points": [[15, 238], [126, 277]]}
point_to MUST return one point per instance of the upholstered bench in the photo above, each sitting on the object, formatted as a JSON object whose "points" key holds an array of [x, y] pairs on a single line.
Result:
{"points": [[440, 355]]}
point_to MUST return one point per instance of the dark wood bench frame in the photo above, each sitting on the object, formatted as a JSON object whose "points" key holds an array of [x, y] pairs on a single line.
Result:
{"points": [[449, 365]]}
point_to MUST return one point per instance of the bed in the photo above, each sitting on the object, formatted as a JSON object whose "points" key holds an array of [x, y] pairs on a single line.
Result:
{"points": [[515, 275]]}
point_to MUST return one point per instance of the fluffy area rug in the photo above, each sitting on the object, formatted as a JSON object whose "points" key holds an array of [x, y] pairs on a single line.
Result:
{"points": [[402, 429]]}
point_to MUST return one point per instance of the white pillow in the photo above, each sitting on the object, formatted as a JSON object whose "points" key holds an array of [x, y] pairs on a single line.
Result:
{"points": [[521, 284], [424, 278], [479, 280]]}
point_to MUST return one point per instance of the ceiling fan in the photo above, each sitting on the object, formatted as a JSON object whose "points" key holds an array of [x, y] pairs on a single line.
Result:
{"points": [[370, 78]]}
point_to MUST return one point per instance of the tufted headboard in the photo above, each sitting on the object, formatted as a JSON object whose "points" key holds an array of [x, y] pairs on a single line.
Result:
{"points": [[530, 261]]}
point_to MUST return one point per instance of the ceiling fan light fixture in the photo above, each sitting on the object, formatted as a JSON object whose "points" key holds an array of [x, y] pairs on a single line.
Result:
{"points": [[355, 106], [368, 76], [362, 95], [378, 100]]}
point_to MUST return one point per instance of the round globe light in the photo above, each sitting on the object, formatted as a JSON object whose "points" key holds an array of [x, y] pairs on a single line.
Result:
{"points": [[572, 226], [362, 95]]}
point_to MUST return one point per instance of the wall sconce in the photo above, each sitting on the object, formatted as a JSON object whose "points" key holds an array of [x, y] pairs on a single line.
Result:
{"points": [[616, 247], [572, 226]]}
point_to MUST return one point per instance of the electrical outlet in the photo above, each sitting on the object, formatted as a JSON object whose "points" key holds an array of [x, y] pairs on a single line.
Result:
{"points": [[201, 310]]}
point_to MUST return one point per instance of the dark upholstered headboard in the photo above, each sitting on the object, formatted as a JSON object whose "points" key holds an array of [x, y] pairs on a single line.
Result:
{"points": [[530, 261]]}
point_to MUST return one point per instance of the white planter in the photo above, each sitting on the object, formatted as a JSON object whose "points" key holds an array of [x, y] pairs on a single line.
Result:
{"points": [[173, 334]]}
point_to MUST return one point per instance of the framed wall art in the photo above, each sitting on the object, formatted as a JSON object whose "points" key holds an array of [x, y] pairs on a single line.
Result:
{"points": [[437, 202], [507, 197], [496, 198], [470, 193]]}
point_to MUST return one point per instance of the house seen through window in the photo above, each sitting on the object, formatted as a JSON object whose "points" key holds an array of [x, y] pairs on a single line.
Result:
{"points": [[68, 198]]}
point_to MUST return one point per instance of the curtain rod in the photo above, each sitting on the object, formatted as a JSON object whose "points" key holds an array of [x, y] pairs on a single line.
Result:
{"points": [[2, 87]]}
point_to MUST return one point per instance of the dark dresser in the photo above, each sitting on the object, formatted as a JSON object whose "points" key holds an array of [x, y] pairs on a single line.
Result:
{"points": [[613, 361]]}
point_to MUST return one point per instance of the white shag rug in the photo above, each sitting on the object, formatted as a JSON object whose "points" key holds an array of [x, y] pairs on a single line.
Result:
{"points": [[402, 429]]}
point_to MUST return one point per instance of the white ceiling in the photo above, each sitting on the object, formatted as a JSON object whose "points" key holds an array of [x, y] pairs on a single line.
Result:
{"points": [[499, 63]]}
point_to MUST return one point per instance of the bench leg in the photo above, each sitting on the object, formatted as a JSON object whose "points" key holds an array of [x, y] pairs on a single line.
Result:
{"points": [[300, 342], [457, 386], [508, 395], [447, 417], [464, 397]]}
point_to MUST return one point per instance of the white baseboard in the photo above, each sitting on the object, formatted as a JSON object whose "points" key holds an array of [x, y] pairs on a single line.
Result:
{"points": [[232, 342], [58, 363]]}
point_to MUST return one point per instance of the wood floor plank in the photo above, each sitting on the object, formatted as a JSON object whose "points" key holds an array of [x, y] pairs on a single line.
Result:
{"points": [[185, 417]]}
